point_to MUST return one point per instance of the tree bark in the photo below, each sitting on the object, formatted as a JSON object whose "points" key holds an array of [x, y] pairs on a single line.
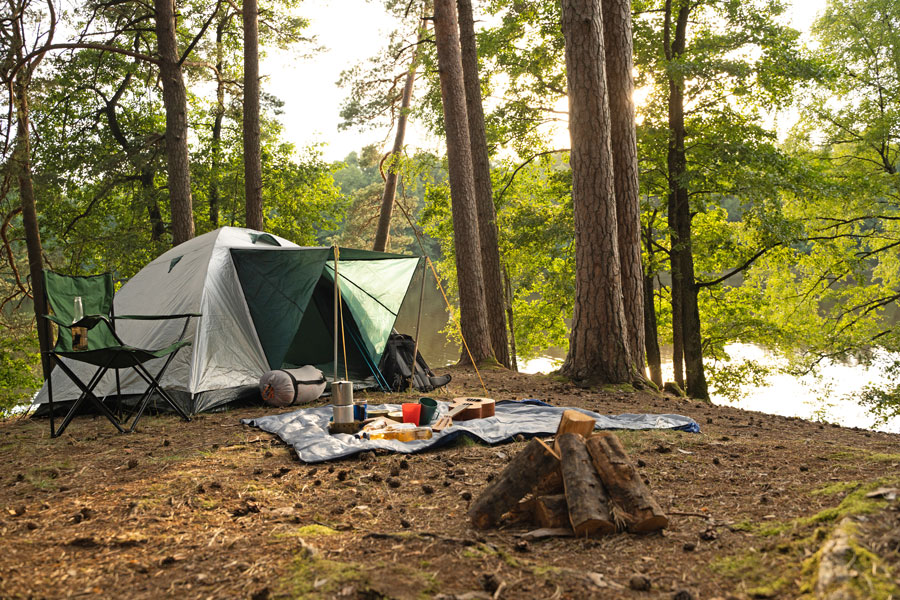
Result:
{"points": [[22, 160], [383, 231], [585, 496], [175, 101], [253, 206], [623, 138], [472, 304], [637, 508], [685, 310], [654, 360], [598, 346], [484, 196]]}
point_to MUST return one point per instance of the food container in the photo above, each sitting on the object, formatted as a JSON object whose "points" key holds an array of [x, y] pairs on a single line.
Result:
{"points": [[343, 414]]}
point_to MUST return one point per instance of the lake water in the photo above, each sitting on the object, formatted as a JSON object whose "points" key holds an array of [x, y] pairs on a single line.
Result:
{"points": [[827, 399], [784, 395]]}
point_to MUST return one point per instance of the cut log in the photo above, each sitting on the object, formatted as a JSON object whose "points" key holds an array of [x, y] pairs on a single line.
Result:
{"points": [[551, 484], [634, 503], [551, 512], [523, 512], [574, 421], [520, 476], [588, 505]]}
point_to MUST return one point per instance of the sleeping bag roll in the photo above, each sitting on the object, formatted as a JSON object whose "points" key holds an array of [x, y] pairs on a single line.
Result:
{"points": [[284, 387]]}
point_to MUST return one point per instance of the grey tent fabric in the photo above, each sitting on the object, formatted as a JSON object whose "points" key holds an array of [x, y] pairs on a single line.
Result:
{"points": [[306, 430]]}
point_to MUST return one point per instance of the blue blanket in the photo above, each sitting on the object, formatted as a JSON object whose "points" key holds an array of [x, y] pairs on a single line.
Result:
{"points": [[306, 430]]}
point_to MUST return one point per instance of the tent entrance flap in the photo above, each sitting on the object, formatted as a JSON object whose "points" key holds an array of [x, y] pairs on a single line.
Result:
{"points": [[289, 295]]}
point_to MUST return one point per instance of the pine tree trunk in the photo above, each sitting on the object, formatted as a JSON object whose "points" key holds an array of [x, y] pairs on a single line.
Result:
{"points": [[215, 200], [175, 102], [623, 139], [22, 164], [383, 232], [598, 347], [484, 196], [472, 305], [253, 206], [684, 294], [654, 360]]}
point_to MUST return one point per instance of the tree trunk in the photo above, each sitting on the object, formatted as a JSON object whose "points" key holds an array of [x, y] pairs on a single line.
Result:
{"points": [[215, 200], [484, 196], [253, 207], [684, 288], [598, 347], [22, 161], [472, 305], [510, 320], [619, 65], [654, 360], [383, 232], [175, 101]]}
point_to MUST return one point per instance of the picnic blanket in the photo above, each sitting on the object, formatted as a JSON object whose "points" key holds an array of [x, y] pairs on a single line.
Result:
{"points": [[306, 430]]}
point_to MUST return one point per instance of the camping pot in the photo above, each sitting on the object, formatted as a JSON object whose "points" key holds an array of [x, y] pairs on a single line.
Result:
{"points": [[343, 414], [342, 393]]}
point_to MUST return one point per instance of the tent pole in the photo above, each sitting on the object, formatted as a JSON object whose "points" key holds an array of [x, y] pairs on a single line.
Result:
{"points": [[412, 367], [337, 307]]}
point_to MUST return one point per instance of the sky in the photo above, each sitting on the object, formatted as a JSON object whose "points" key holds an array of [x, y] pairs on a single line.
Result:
{"points": [[351, 31]]}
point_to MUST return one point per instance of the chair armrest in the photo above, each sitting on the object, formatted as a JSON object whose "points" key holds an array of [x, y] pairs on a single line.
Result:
{"points": [[87, 321], [157, 317]]}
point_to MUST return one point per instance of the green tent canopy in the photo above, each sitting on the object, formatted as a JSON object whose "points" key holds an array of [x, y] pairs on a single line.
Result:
{"points": [[290, 296]]}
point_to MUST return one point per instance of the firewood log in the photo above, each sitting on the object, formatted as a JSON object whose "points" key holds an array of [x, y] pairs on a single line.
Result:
{"points": [[638, 509], [588, 506], [520, 476], [551, 511], [573, 421]]}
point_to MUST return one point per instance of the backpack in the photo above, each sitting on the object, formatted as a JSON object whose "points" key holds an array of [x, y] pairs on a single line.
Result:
{"points": [[396, 362]]}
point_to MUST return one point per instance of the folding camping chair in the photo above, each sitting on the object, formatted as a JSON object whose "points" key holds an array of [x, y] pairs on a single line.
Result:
{"points": [[83, 306]]}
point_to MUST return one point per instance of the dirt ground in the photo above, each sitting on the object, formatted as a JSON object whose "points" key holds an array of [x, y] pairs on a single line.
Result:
{"points": [[216, 509]]}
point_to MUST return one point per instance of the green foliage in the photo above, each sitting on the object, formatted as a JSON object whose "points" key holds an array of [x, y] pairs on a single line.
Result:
{"points": [[20, 375]]}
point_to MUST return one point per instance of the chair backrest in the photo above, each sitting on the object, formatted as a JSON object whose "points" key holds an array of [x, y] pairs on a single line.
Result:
{"points": [[96, 292]]}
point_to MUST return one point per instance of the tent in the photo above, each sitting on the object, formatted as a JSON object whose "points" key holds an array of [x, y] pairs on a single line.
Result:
{"points": [[266, 303]]}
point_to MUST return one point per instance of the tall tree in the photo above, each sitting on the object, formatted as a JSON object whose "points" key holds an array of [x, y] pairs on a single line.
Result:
{"points": [[484, 195], [382, 231], [598, 346], [472, 303], [175, 100], [252, 159], [618, 50], [685, 309], [19, 65]]}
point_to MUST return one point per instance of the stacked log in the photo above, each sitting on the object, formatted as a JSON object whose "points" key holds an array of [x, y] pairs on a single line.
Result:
{"points": [[585, 483]]}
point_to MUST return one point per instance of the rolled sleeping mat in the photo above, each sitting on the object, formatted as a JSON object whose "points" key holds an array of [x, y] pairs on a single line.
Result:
{"points": [[284, 387]]}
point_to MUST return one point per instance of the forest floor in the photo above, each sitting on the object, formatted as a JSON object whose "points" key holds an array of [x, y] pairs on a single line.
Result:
{"points": [[216, 509]]}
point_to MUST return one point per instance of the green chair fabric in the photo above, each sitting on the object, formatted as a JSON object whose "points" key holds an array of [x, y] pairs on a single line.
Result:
{"points": [[105, 350]]}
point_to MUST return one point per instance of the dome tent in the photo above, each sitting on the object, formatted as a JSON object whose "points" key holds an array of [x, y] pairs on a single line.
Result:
{"points": [[265, 303]]}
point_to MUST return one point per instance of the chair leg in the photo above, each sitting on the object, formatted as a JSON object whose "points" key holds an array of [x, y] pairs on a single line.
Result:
{"points": [[154, 386], [87, 392]]}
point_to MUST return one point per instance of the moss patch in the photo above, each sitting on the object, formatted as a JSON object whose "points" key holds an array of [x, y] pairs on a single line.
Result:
{"points": [[314, 530]]}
